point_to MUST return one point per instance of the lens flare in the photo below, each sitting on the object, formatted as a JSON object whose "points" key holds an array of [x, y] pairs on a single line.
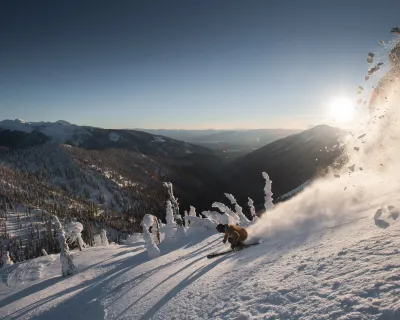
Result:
{"points": [[342, 110]]}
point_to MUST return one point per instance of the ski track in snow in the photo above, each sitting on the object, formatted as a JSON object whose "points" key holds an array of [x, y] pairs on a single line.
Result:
{"points": [[344, 272]]}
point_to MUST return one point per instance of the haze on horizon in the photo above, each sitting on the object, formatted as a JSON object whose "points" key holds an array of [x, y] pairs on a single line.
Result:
{"points": [[186, 64]]}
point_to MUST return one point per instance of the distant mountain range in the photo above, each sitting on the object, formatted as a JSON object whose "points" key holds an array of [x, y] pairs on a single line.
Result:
{"points": [[17, 133], [229, 144], [127, 167], [290, 162]]}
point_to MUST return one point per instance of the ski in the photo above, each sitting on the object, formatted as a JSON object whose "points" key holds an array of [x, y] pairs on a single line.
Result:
{"points": [[220, 253], [216, 254]]}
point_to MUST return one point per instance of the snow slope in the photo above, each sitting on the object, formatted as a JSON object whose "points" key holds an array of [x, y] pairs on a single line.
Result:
{"points": [[349, 271]]}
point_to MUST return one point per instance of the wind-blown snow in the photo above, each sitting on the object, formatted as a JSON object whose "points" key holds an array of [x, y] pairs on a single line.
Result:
{"points": [[295, 191], [333, 200]]}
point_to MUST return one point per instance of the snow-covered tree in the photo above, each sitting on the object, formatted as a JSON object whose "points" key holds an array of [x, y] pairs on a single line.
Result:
{"points": [[103, 236], [216, 216], [199, 222], [169, 217], [252, 209], [180, 232], [192, 211], [151, 247], [67, 265], [178, 220], [74, 230], [153, 226], [6, 259], [172, 199], [239, 211], [250, 203], [268, 193], [233, 217], [185, 222]]}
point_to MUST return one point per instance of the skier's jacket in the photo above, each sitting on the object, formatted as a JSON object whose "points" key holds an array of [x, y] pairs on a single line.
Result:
{"points": [[235, 233]]}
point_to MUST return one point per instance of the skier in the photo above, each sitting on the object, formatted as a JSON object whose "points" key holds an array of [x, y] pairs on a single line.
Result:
{"points": [[234, 234], [391, 78]]}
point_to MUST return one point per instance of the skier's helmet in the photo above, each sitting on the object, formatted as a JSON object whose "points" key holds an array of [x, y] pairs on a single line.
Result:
{"points": [[394, 55], [221, 228]]}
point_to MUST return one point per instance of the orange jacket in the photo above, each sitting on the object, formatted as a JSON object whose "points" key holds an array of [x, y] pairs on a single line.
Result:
{"points": [[236, 233]]}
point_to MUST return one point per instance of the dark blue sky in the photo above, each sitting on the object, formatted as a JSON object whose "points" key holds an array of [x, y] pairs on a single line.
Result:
{"points": [[186, 64]]}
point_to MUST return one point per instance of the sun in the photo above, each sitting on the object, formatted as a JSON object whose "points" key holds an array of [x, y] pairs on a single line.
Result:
{"points": [[341, 110]]}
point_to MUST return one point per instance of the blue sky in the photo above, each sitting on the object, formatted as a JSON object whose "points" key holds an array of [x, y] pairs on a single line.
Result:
{"points": [[186, 64]]}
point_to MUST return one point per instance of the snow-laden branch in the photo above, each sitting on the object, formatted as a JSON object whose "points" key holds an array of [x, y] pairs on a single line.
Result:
{"points": [[239, 211], [233, 217], [216, 216]]}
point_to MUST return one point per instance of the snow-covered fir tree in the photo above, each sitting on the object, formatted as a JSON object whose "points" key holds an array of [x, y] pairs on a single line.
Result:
{"points": [[169, 217], [67, 265], [185, 221], [152, 250], [232, 216], [153, 225], [192, 211], [238, 209], [172, 199], [268, 205], [75, 234], [180, 232], [253, 213], [103, 236]]}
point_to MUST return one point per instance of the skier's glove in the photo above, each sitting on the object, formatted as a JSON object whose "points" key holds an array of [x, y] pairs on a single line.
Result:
{"points": [[223, 241]]}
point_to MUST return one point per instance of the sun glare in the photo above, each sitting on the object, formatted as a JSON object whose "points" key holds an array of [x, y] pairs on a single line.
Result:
{"points": [[342, 110]]}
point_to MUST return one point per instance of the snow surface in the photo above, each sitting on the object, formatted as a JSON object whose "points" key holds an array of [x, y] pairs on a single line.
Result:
{"points": [[348, 271]]}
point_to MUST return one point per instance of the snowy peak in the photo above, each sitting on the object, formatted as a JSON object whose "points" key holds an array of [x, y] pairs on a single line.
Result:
{"points": [[16, 125], [17, 133], [63, 122], [60, 131]]}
